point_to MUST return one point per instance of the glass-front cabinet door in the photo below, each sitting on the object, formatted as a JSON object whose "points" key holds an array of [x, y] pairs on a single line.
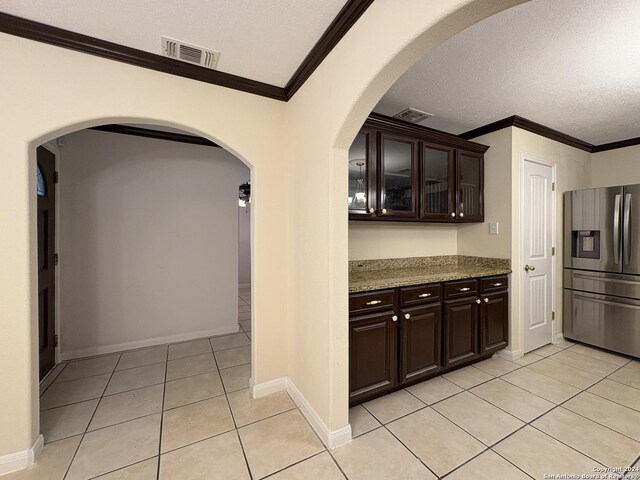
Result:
{"points": [[398, 177], [362, 166], [470, 186], [437, 183]]}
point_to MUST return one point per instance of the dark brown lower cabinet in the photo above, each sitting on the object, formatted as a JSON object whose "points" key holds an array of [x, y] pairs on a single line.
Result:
{"points": [[373, 356], [405, 335], [420, 342], [461, 328], [494, 315]]}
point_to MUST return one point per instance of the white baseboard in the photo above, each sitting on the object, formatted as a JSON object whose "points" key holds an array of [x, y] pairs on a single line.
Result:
{"points": [[510, 354], [558, 338], [21, 460], [267, 388], [93, 351], [331, 438], [244, 285]]}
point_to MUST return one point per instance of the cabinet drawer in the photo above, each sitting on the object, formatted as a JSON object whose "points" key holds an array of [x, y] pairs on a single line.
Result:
{"points": [[462, 288], [371, 301], [493, 284], [420, 294]]}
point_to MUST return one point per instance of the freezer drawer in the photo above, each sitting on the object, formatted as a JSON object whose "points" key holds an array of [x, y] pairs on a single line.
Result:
{"points": [[616, 284], [604, 321]]}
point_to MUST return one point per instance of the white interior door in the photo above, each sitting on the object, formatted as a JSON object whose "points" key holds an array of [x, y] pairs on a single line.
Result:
{"points": [[536, 244]]}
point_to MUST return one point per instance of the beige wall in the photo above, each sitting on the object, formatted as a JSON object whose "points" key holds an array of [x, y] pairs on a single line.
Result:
{"points": [[149, 235], [474, 239], [394, 240], [616, 167], [299, 271]]}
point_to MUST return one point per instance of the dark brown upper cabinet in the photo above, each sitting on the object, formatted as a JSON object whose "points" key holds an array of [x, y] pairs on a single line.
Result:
{"points": [[362, 174], [398, 187], [470, 171], [437, 183], [405, 172]]}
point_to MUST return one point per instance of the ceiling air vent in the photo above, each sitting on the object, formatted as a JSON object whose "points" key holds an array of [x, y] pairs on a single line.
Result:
{"points": [[413, 115], [189, 53]]}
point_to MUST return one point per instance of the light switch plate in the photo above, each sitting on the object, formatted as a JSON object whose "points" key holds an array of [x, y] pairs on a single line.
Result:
{"points": [[493, 228]]}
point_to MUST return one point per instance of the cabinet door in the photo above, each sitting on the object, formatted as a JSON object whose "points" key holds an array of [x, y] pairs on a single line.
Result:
{"points": [[437, 183], [398, 179], [470, 173], [420, 342], [362, 175], [373, 354], [494, 318], [461, 328]]}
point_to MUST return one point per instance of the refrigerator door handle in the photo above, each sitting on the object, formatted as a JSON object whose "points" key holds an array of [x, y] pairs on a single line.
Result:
{"points": [[616, 230], [626, 229]]}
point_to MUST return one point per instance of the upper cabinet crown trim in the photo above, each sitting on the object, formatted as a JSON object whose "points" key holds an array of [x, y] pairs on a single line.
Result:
{"points": [[377, 120]]}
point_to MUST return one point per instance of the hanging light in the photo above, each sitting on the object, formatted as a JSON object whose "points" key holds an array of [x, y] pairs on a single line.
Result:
{"points": [[359, 200]]}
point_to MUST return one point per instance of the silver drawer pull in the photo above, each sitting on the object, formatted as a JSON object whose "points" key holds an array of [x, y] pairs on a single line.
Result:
{"points": [[374, 302], [464, 289], [424, 295], [499, 284]]}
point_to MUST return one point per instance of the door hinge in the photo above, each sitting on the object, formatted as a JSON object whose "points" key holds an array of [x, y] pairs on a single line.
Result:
{"points": [[553, 186], [55, 177], [56, 258], [553, 251], [55, 340], [553, 315]]}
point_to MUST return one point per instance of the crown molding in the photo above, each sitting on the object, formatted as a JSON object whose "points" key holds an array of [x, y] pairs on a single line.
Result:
{"points": [[346, 18], [59, 37], [157, 134], [526, 124], [630, 142]]}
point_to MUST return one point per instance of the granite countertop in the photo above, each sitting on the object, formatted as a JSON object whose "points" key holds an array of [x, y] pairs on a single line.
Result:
{"points": [[368, 275]]}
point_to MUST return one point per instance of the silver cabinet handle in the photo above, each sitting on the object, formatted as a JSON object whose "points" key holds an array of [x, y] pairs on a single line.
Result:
{"points": [[407, 316], [464, 289], [394, 318], [486, 300], [529, 267], [384, 210], [499, 284], [461, 214], [478, 301], [371, 210], [453, 214], [374, 302], [424, 295]]}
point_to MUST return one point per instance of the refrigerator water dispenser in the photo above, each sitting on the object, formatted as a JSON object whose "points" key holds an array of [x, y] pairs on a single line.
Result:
{"points": [[585, 244]]}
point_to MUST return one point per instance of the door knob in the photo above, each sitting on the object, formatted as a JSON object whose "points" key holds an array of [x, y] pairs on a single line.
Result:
{"points": [[486, 300], [371, 210], [478, 301], [384, 210], [461, 214], [394, 318], [529, 267], [453, 214], [407, 316]]}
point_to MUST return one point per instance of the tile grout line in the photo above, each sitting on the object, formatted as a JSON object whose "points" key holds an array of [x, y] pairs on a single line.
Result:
{"points": [[90, 420], [233, 419], [164, 390]]}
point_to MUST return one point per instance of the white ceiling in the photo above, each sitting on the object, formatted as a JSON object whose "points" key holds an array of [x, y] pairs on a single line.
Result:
{"points": [[264, 40], [572, 65]]}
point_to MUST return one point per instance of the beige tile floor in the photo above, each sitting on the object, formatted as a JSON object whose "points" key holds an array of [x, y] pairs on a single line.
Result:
{"points": [[184, 411]]}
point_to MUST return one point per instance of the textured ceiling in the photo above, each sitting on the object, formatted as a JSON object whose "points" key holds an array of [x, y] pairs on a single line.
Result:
{"points": [[265, 40], [572, 65]]}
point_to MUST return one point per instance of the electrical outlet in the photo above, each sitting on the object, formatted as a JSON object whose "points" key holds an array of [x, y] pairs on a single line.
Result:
{"points": [[493, 228]]}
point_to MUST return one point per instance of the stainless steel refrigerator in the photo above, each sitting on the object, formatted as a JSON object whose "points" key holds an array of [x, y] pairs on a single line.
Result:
{"points": [[602, 267]]}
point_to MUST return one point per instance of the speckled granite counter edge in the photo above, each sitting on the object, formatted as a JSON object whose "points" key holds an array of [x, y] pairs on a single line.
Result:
{"points": [[418, 262]]}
